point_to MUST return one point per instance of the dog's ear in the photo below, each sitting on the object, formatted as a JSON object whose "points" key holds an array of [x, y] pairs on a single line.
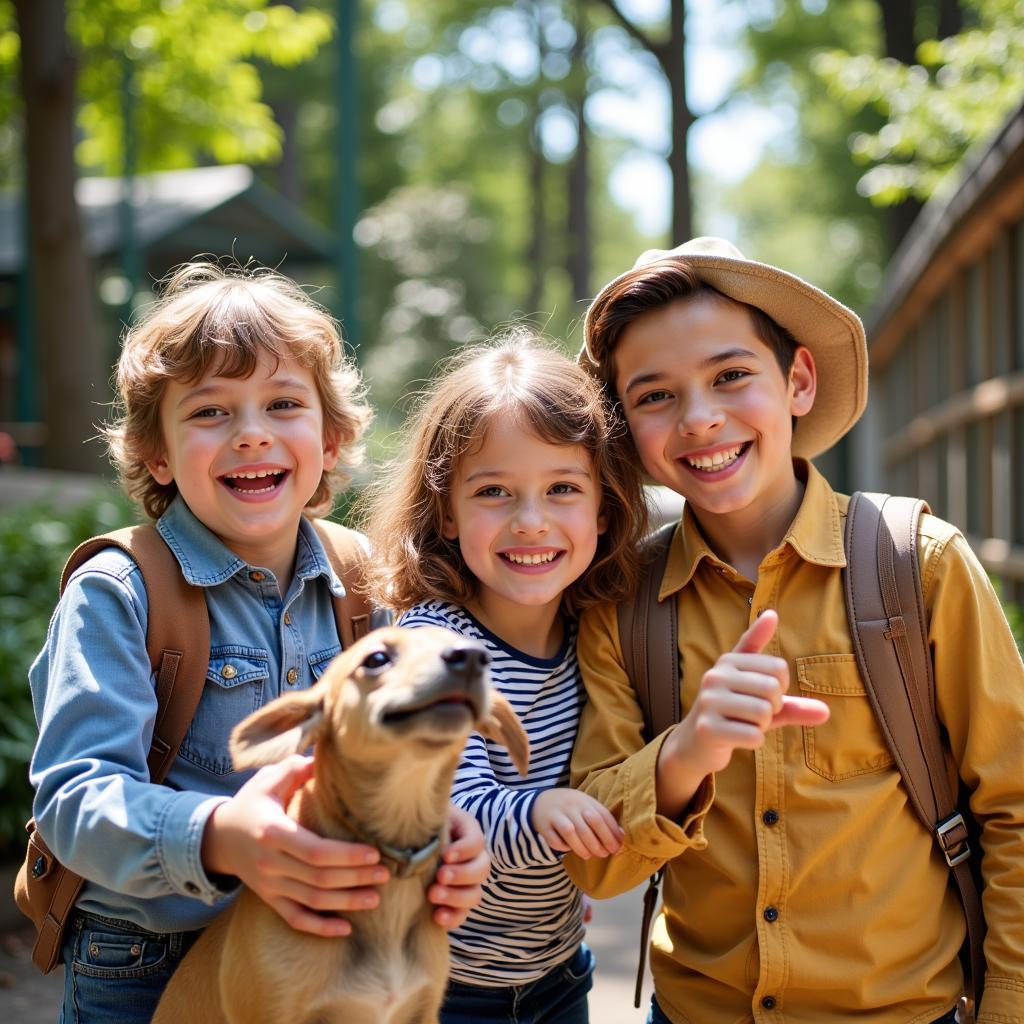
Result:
{"points": [[288, 725], [503, 726]]}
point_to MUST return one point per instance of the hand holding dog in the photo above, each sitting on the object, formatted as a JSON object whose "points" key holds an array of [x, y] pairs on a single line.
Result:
{"points": [[569, 820], [290, 868], [742, 696], [465, 864]]}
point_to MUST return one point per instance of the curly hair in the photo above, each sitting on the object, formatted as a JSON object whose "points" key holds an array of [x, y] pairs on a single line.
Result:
{"points": [[225, 317], [515, 377]]}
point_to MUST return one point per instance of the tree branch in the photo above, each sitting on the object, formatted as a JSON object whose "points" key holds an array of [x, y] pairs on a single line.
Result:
{"points": [[637, 34]]}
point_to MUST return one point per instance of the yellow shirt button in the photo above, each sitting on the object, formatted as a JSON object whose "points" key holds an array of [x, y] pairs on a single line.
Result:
{"points": [[292, 675], [257, 577], [229, 672], [287, 618]]}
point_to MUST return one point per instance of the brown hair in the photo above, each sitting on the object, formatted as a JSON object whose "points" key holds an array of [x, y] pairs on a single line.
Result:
{"points": [[518, 377], [656, 285], [224, 317]]}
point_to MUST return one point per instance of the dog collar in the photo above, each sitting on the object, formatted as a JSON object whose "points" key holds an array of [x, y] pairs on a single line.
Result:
{"points": [[403, 861], [409, 861]]}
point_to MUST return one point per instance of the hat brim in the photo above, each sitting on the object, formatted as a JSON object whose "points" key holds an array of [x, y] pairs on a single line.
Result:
{"points": [[833, 334]]}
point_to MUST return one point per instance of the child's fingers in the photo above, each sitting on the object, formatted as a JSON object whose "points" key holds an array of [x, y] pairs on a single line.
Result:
{"points": [[471, 872], [801, 711], [758, 633], [303, 920], [605, 830]]}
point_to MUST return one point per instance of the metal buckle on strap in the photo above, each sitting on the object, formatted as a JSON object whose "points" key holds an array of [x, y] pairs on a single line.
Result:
{"points": [[954, 852]]}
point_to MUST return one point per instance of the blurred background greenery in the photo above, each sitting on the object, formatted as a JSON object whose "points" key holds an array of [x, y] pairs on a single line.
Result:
{"points": [[434, 169]]}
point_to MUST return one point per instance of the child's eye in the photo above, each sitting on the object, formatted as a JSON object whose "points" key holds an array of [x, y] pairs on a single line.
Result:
{"points": [[284, 403], [729, 376], [564, 489], [653, 396], [494, 491], [205, 414]]}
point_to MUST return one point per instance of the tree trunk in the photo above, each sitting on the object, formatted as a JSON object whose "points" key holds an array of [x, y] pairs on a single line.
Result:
{"points": [[900, 44], [536, 250], [951, 18], [673, 62], [579, 177], [74, 374]]}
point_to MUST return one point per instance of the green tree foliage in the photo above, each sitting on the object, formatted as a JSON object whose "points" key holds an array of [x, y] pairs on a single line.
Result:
{"points": [[799, 208], [35, 541], [193, 76], [959, 92]]}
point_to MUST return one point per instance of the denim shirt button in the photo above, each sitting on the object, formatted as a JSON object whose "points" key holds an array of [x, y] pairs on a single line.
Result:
{"points": [[287, 618], [292, 676], [229, 672], [257, 577], [191, 887]]}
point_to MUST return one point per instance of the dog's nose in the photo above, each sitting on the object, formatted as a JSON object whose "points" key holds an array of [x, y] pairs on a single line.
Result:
{"points": [[466, 658]]}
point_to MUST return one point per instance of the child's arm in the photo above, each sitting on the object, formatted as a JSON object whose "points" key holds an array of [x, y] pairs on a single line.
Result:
{"points": [[979, 691], [301, 874], [516, 835], [660, 791], [742, 697]]}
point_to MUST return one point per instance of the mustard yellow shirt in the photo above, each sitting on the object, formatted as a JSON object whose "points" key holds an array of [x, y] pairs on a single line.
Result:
{"points": [[801, 879]]}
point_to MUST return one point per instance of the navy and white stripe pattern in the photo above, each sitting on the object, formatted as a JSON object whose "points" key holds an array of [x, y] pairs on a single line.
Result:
{"points": [[530, 918]]}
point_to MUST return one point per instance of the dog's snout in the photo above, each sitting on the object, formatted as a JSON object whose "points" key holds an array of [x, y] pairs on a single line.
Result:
{"points": [[465, 657]]}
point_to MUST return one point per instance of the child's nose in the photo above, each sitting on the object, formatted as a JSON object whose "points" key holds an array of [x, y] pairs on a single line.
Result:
{"points": [[252, 432], [699, 414], [529, 518]]}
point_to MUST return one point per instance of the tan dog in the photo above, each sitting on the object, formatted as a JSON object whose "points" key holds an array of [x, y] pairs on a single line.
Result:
{"points": [[389, 719]]}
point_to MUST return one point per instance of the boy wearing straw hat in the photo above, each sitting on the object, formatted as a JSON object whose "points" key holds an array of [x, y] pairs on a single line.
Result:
{"points": [[800, 885]]}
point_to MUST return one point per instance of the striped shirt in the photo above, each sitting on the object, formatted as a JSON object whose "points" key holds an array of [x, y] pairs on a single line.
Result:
{"points": [[530, 918]]}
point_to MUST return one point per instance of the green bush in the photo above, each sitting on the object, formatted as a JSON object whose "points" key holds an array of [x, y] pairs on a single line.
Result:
{"points": [[35, 541]]}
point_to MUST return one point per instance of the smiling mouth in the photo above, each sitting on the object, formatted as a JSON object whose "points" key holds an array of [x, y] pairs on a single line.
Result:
{"points": [[258, 482], [717, 462], [538, 559]]}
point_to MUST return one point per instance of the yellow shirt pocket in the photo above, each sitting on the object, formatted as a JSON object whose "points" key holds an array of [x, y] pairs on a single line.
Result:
{"points": [[850, 743]]}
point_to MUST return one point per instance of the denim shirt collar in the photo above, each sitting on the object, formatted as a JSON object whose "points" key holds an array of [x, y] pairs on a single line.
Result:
{"points": [[205, 561]]}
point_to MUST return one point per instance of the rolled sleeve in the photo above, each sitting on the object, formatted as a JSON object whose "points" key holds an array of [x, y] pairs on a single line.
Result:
{"points": [[979, 684]]}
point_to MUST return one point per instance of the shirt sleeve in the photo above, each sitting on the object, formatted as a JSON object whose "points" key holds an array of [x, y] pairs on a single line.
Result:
{"points": [[504, 813], [613, 764], [979, 684], [95, 703]]}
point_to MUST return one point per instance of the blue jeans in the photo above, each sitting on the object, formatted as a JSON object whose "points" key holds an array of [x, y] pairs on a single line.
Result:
{"points": [[657, 1015], [115, 971], [560, 997]]}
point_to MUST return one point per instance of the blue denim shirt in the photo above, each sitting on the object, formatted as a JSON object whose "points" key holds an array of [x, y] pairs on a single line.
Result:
{"points": [[94, 696]]}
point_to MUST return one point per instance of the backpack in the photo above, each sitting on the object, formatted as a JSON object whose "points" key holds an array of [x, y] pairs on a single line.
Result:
{"points": [[178, 644], [885, 609]]}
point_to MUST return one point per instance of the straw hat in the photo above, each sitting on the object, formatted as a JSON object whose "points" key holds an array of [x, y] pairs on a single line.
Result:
{"points": [[833, 334]]}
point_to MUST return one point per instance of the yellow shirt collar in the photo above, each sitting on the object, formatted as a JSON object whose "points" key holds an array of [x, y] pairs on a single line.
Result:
{"points": [[816, 534]]}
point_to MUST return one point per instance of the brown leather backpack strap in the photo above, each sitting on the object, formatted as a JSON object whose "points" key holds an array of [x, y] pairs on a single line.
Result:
{"points": [[649, 637], [348, 557], [178, 644], [177, 634], [885, 606]]}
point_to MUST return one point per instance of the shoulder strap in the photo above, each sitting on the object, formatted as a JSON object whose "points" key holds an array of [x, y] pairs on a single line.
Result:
{"points": [[348, 559], [885, 607], [177, 634], [648, 635], [178, 644]]}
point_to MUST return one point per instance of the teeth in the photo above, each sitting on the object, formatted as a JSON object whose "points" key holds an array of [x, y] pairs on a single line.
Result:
{"points": [[531, 559], [717, 461], [255, 476]]}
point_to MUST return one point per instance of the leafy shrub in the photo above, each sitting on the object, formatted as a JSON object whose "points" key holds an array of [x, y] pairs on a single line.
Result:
{"points": [[35, 541]]}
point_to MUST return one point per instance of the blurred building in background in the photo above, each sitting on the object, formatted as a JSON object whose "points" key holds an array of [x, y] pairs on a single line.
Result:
{"points": [[173, 217], [946, 341]]}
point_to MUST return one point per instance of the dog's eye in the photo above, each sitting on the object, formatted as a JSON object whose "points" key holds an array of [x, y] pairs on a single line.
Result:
{"points": [[376, 661]]}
